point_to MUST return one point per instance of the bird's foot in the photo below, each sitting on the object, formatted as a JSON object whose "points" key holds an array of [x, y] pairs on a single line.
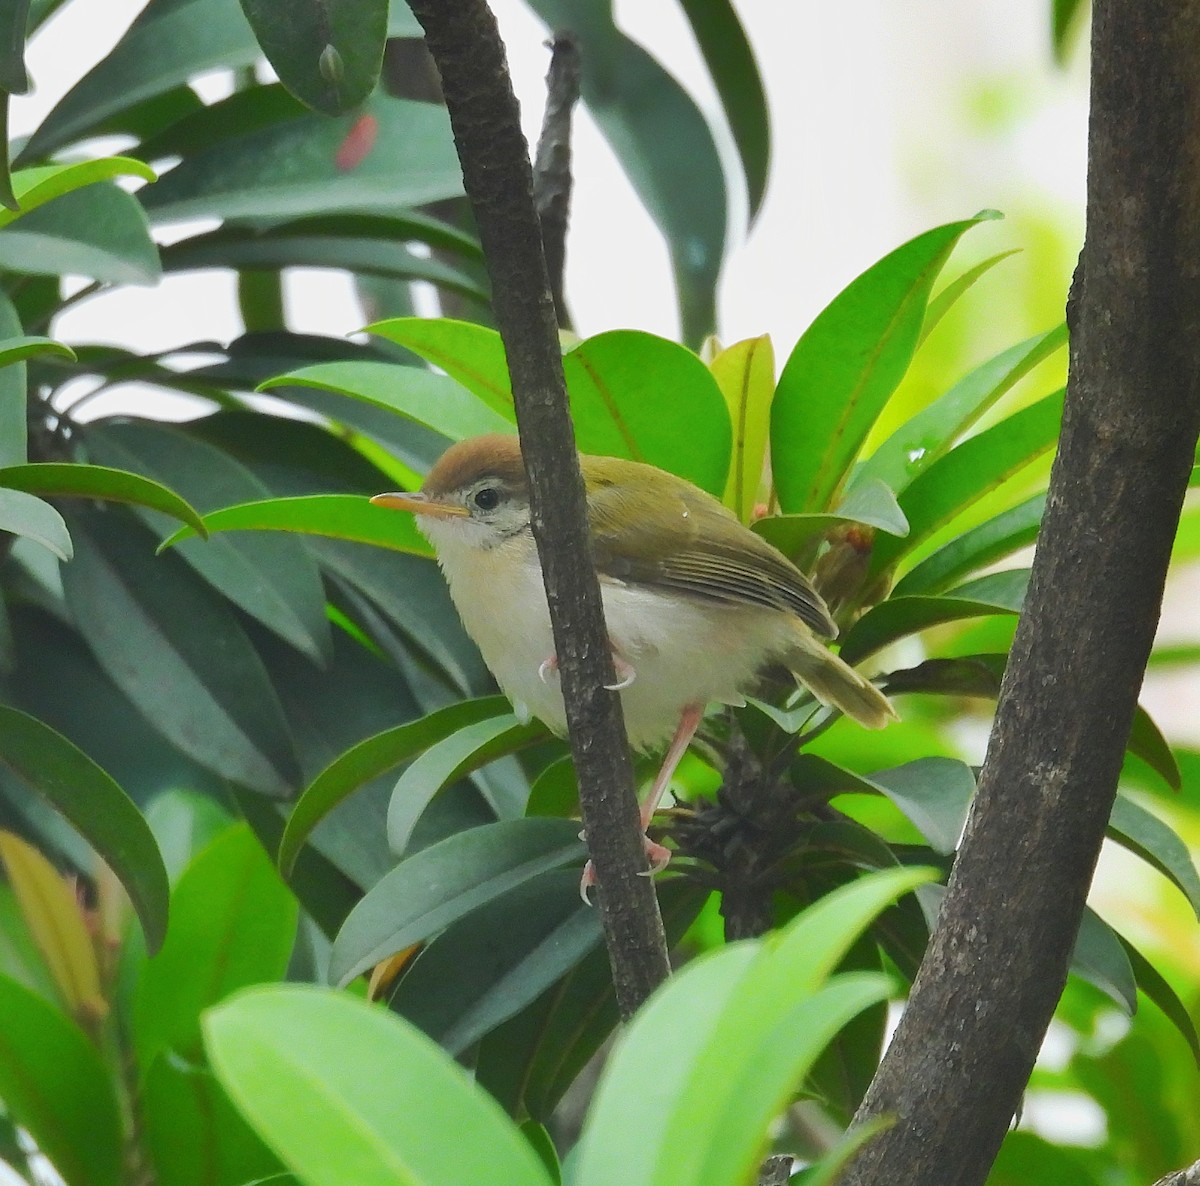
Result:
{"points": [[659, 856], [626, 673]]}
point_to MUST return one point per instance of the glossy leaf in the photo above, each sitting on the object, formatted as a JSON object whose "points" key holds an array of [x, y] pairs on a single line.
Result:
{"points": [[370, 758], [55, 1084], [152, 625], [272, 578], [442, 883], [102, 812], [99, 232], [327, 54], [871, 504], [170, 42], [54, 917], [75, 480], [436, 401], [1143, 833], [924, 438], [1100, 958], [487, 966], [745, 373], [1146, 740], [664, 145], [291, 169], [975, 549], [342, 516], [15, 349], [712, 1058], [26, 515], [1151, 981], [935, 794], [730, 61], [845, 367], [454, 757], [35, 187], [639, 396], [943, 301], [330, 1082], [968, 472], [233, 923]]}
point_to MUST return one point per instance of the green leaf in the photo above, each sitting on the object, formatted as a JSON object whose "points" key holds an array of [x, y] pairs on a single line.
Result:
{"points": [[707, 1064], [941, 304], [1146, 740], [870, 504], [291, 169], [436, 401], [925, 437], [969, 472], [1156, 987], [327, 54], [1065, 16], [105, 816], [664, 145], [153, 626], [846, 366], [272, 578], [1100, 958], [370, 758], [730, 61], [26, 515], [342, 516], [331, 1082], [431, 889], [36, 187], [448, 760], [639, 396], [75, 480], [13, 428], [490, 964], [99, 232], [935, 793], [745, 373], [15, 349], [170, 42], [20, 958], [978, 548], [14, 20], [233, 923], [1157, 843], [56, 1086]]}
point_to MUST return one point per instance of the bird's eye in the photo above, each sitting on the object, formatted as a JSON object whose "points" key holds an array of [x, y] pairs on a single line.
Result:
{"points": [[487, 498]]}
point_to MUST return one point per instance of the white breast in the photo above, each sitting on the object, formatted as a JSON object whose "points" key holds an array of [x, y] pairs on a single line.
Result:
{"points": [[682, 651]]}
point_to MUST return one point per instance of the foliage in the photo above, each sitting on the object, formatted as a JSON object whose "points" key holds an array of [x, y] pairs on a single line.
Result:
{"points": [[212, 647]]}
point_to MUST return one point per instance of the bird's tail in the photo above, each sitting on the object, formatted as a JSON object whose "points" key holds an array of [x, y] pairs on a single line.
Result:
{"points": [[836, 683]]}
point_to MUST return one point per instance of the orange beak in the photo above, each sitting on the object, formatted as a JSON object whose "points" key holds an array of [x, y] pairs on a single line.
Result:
{"points": [[419, 504]]}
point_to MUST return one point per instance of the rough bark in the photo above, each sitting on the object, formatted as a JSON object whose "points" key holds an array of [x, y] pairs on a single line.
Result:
{"points": [[469, 54], [998, 959]]}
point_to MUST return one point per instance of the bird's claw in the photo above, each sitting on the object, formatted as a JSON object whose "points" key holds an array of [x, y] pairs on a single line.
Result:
{"points": [[659, 856], [626, 674], [548, 668]]}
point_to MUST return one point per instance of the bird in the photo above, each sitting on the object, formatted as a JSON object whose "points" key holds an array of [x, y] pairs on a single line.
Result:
{"points": [[697, 606]]}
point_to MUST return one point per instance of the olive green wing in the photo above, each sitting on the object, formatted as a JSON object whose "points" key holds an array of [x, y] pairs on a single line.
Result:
{"points": [[669, 535]]}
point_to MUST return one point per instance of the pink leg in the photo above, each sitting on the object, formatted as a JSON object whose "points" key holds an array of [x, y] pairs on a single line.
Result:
{"points": [[657, 854]]}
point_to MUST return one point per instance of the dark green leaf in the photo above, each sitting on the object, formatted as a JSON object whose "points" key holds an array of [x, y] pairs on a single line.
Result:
{"points": [[328, 54], [1155, 986], [1157, 843], [13, 429], [15, 349], [272, 578], [664, 145], [968, 675], [1100, 958], [427, 892], [1147, 741], [448, 760], [56, 1086], [99, 232], [968, 472], [935, 794], [14, 19], [7, 198], [153, 626], [488, 965], [975, 549], [730, 61], [364, 1090], [103, 813], [941, 304], [233, 923], [846, 366], [370, 758], [343, 516], [292, 169], [27, 515], [925, 437], [74, 480], [437, 401]]}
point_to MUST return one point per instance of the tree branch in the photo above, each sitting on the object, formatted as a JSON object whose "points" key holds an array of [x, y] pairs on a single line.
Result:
{"points": [[466, 46], [998, 959]]}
